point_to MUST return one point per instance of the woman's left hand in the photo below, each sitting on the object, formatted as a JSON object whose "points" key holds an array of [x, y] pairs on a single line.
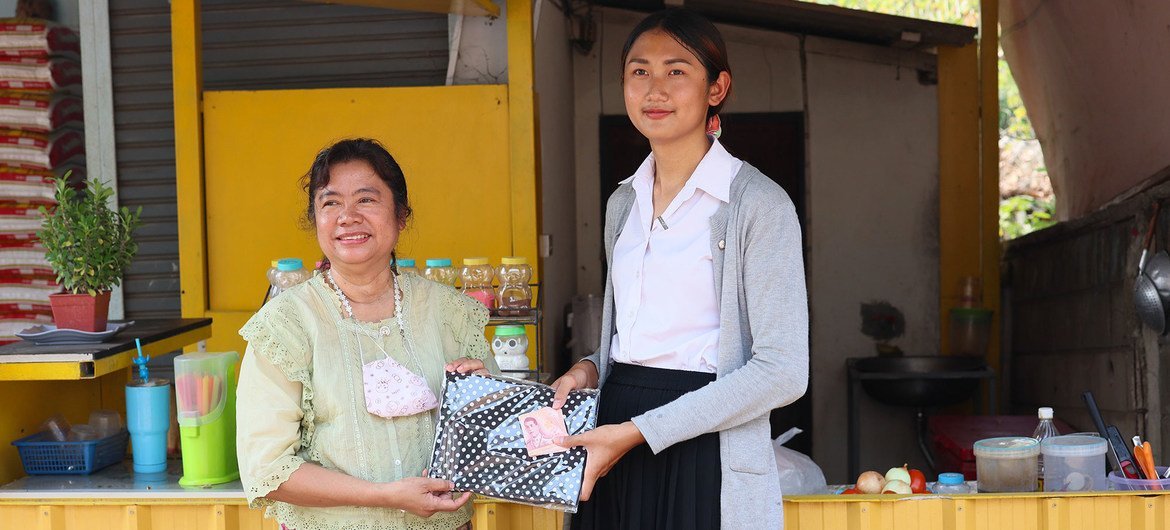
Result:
{"points": [[605, 445], [465, 365]]}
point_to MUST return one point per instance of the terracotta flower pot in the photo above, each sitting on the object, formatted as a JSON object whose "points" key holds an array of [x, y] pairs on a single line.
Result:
{"points": [[80, 311]]}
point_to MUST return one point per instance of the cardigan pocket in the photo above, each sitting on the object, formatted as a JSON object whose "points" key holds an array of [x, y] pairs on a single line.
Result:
{"points": [[751, 449]]}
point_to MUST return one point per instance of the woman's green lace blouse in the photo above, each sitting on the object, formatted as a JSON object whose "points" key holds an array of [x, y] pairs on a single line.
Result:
{"points": [[300, 396]]}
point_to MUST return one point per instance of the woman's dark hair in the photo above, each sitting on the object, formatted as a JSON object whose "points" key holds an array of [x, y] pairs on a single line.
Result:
{"points": [[694, 33], [350, 150]]}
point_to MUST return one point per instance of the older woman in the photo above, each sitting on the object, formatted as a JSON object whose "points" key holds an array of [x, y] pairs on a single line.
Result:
{"points": [[337, 388]]}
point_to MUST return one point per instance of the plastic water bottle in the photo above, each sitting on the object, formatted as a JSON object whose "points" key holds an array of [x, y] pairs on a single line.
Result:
{"points": [[1045, 429]]}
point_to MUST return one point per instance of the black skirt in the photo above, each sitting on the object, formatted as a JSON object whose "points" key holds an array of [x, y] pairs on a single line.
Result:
{"points": [[677, 489]]}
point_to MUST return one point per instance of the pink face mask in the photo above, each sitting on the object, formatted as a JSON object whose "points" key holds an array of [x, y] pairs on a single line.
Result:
{"points": [[392, 390]]}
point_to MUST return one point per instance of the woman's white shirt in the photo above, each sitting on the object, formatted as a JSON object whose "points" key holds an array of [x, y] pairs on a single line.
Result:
{"points": [[667, 315]]}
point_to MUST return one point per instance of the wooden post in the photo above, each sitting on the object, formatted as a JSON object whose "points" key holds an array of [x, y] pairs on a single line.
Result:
{"points": [[186, 54]]}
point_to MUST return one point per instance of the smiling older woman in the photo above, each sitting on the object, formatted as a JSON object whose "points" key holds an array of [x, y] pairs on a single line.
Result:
{"points": [[337, 388]]}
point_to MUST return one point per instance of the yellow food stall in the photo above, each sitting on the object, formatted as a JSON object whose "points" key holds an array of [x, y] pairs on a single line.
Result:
{"points": [[236, 150]]}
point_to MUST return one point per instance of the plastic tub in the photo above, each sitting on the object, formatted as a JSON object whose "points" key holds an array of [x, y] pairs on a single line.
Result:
{"points": [[1007, 464], [1128, 484], [1074, 463]]}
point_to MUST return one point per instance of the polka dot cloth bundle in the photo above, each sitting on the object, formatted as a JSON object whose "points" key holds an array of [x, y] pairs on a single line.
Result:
{"points": [[480, 447]]}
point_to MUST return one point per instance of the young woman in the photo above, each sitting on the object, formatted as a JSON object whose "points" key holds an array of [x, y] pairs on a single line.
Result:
{"points": [[705, 323]]}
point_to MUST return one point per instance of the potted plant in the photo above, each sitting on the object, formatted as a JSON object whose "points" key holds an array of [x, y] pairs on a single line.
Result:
{"points": [[88, 245]]}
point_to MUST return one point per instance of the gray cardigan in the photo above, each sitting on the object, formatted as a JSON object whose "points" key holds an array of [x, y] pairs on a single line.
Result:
{"points": [[763, 343]]}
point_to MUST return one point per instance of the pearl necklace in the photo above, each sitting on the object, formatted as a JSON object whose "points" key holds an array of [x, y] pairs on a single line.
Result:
{"points": [[384, 330]]}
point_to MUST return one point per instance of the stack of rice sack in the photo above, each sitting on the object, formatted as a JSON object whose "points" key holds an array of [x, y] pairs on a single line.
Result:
{"points": [[40, 137]]}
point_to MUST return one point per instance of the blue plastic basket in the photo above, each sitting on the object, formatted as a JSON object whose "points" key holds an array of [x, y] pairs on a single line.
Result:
{"points": [[41, 455]]}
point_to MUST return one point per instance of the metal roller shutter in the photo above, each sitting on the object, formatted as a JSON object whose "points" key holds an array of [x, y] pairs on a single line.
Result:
{"points": [[247, 45]]}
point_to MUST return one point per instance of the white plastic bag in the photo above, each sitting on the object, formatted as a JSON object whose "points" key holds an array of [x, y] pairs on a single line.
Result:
{"points": [[799, 475]]}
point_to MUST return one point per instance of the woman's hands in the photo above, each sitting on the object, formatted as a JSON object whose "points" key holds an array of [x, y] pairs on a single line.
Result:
{"points": [[464, 365], [605, 445], [581, 375], [423, 496]]}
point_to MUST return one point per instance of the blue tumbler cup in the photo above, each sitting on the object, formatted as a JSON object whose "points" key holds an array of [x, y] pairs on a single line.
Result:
{"points": [[148, 416]]}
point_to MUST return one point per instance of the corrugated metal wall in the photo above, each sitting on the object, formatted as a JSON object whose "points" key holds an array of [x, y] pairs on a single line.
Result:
{"points": [[247, 45]]}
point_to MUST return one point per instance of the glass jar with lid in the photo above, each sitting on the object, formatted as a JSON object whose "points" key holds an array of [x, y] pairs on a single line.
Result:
{"points": [[440, 270], [476, 277], [406, 265], [514, 297]]}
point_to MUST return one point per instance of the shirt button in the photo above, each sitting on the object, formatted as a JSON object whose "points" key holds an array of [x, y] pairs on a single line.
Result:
{"points": [[398, 462]]}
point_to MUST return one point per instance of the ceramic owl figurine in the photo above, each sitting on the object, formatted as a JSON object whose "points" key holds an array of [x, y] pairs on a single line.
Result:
{"points": [[510, 345]]}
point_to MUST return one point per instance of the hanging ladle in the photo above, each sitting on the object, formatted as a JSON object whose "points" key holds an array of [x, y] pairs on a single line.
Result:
{"points": [[1145, 293]]}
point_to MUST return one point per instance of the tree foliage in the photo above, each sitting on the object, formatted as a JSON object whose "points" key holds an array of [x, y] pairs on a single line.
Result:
{"points": [[1024, 214]]}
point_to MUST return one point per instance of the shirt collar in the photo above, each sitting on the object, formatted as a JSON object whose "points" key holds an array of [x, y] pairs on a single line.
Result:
{"points": [[713, 174]]}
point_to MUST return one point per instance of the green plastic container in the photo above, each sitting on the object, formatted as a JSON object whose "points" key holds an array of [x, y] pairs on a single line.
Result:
{"points": [[205, 395]]}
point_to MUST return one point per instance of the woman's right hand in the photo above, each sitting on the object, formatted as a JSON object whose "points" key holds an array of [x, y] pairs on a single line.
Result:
{"points": [[423, 496], [581, 375]]}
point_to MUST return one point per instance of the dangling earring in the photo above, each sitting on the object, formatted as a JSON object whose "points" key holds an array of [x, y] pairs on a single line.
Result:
{"points": [[714, 128]]}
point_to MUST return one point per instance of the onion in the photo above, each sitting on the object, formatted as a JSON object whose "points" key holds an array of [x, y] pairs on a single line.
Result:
{"points": [[897, 486], [870, 482], [898, 473]]}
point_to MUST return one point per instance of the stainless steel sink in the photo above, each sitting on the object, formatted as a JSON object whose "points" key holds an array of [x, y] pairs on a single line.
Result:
{"points": [[927, 381]]}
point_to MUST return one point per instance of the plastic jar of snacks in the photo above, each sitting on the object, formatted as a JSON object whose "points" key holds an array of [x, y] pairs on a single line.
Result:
{"points": [[476, 278], [515, 296], [440, 270], [405, 265]]}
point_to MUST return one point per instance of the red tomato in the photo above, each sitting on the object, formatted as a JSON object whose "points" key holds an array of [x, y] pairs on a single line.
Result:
{"points": [[850, 491], [917, 481]]}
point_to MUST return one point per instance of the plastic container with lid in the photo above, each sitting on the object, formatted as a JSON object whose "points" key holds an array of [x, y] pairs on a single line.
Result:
{"points": [[272, 272], [406, 265], [951, 483], [1074, 463], [1007, 464], [476, 279], [440, 270], [289, 272], [205, 399], [514, 297], [510, 346]]}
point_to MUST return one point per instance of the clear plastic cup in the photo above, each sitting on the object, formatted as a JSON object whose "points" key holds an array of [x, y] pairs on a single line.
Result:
{"points": [[105, 422], [58, 427], [83, 432]]}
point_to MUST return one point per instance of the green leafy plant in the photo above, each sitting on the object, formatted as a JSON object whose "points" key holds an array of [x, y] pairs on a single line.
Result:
{"points": [[1024, 214], [87, 243]]}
